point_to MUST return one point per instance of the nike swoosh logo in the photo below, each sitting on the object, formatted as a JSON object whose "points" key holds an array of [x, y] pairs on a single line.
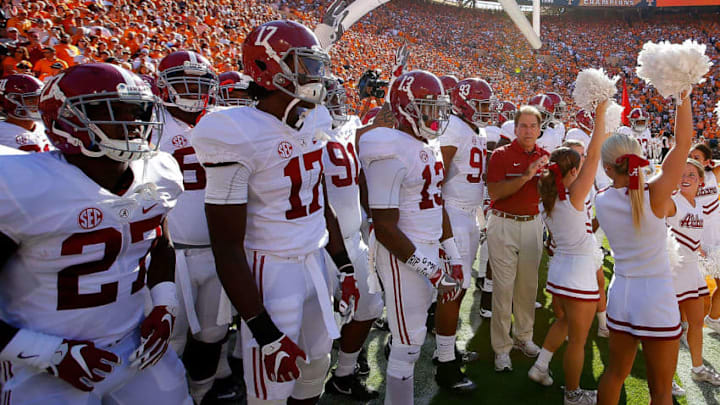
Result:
{"points": [[516, 164], [23, 357], [79, 359], [145, 210], [279, 359], [342, 391], [444, 283]]}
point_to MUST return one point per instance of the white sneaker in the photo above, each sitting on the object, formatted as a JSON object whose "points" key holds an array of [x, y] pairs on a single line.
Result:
{"points": [[677, 391], [538, 305], [529, 348], [540, 376], [484, 313], [580, 397], [706, 374], [603, 332], [503, 362], [713, 324]]}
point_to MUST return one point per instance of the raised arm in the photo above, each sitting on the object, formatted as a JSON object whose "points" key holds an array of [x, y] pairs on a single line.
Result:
{"points": [[586, 178]]}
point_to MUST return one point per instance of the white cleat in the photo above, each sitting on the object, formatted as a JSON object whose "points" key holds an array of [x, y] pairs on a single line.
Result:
{"points": [[713, 324], [677, 391], [529, 348], [503, 362], [580, 397], [707, 375], [540, 376]]}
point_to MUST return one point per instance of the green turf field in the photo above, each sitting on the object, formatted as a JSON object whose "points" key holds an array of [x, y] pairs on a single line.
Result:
{"points": [[516, 387]]}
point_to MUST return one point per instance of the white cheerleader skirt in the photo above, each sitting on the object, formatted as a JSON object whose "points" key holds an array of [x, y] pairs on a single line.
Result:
{"points": [[643, 307], [689, 282], [573, 277]]}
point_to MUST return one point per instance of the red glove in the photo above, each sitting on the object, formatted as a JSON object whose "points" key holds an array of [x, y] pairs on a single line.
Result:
{"points": [[350, 295], [280, 359], [81, 364], [447, 287], [456, 272], [155, 332]]}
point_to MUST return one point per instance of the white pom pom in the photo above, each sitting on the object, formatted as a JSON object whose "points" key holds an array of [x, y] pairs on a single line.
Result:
{"points": [[711, 262], [717, 112], [593, 86], [673, 68], [613, 116], [673, 248]]}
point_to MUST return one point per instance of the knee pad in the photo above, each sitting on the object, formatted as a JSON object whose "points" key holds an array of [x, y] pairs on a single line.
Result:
{"points": [[401, 364], [212, 335], [312, 378]]}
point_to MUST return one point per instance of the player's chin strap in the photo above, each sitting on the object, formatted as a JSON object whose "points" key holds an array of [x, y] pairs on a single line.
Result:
{"points": [[289, 108]]}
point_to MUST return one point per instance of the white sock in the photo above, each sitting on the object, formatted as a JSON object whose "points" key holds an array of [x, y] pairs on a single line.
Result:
{"points": [[399, 391], [198, 389], [346, 363], [238, 349], [223, 368], [602, 320], [698, 368], [543, 360], [445, 348]]}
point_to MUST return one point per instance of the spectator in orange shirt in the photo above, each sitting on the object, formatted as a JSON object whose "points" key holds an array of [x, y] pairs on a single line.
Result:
{"points": [[66, 51], [10, 62], [55, 69], [20, 21], [43, 66]]}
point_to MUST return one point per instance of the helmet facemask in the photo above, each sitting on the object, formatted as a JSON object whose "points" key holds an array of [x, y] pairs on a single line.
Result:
{"points": [[336, 103], [484, 111], [428, 117], [306, 69], [119, 124], [639, 124], [190, 87], [560, 111], [235, 94], [26, 105]]}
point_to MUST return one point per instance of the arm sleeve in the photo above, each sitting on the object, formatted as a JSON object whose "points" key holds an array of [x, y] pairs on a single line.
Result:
{"points": [[227, 184], [384, 178]]}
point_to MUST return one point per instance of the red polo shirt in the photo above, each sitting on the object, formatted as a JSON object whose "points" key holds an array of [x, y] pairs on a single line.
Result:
{"points": [[509, 162]]}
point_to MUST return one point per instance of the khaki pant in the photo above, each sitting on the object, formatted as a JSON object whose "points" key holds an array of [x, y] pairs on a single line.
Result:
{"points": [[515, 249]]}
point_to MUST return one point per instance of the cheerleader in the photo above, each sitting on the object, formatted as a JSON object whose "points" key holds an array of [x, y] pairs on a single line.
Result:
{"points": [[708, 198], [641, 304], [686, 227], [572, 279]]}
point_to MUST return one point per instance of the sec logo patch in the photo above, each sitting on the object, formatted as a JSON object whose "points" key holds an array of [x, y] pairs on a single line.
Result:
{"points": [[89, 218], [285, 149], [424, 156], [179, 141]]}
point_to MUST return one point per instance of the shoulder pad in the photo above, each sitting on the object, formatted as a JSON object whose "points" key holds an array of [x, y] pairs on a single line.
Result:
{"points": [[227, 136]]}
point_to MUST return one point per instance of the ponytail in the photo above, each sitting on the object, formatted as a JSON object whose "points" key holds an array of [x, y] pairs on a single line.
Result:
{"points": [[615, 153], [550, 186]]}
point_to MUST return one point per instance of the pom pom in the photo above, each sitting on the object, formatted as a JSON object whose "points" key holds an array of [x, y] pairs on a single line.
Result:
{"points": [[613, 116], [673, 68], [710, 264], [673, 248], [593, 86]]}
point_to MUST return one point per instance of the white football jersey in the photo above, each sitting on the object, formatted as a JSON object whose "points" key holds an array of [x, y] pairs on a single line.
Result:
{"points": [[186, 222], [507, 130], [492, 133], [421, 199], [551, 138], [79, 270], [6, 150], [342, 168], [643, 137], [463, 185], [687, 228], [639, 252], [577, 134], [285, 198], [18, 137]]}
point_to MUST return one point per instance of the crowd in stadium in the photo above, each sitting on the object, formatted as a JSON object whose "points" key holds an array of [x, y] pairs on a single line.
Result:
{"points": [[272, 193]]}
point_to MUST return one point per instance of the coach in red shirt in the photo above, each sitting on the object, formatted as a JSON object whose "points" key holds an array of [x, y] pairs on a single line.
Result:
{"points": [[514, 238]]}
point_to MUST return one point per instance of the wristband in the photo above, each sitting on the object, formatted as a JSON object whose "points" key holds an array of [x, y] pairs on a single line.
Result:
{"points": [[342, 262], [263, 329], [451, 251], [32, 348], [422, 264], [165, 294]]}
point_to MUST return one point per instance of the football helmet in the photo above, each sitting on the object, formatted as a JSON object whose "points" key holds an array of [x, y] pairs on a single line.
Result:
{"points": [[370, 115], [506, 112], [100, 109], [286, 56], [233, 89], [639, 119], [473, 100], [336, 100], [448, 82], [585, 120], [19, 96], [546, 106], [187, 81], [152, 82], [417, 100], [560, 106]]}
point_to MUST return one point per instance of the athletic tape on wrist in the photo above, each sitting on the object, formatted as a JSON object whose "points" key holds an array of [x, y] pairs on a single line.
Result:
{"points": [[422, 264], [165, 294], [32, 348], [451, 250]]}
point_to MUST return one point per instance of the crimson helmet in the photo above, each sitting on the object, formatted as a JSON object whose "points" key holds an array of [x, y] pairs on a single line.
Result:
{"points": [[187, 81], [100, 109], [152, 82], [473, 100], [560, 106], [639, 119], [234, 89], [336, 100], [370, 115], [417, 100], [546, 106], [448, 82], [585, 120], [19, 95], [506, 112], [286, 56]]}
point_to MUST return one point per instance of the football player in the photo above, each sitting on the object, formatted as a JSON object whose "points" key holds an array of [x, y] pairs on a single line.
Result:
{"points": [[19, 96], [267, 217], [343, 179], [404, 174], [585, 124], [189, 86], [233, 89], [553, 132], [76, 228], [639, 128]]}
